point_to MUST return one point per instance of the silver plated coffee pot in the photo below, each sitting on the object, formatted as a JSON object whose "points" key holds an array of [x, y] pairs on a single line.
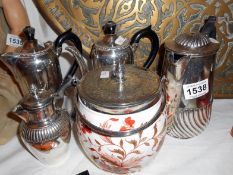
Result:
{"points": [[189, 65], [36, 66]]}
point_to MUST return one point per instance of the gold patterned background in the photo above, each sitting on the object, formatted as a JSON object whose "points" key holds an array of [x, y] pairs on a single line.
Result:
{"points": [[167, 17]]}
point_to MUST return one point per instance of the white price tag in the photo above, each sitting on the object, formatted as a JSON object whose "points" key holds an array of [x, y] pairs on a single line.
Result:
{"points": [[104, 74], [120, 40], [195, 90], [13, 40]]}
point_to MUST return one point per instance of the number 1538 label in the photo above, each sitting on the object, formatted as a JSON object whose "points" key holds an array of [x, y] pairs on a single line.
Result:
{"points": [[13, 40], [195, 90]]}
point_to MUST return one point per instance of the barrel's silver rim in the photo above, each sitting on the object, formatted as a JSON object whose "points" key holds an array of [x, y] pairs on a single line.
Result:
{"points": [[119, 133]]}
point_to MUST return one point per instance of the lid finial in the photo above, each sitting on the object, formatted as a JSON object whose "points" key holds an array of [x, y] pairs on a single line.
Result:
{"points": [[109, 28], [29, 32]]}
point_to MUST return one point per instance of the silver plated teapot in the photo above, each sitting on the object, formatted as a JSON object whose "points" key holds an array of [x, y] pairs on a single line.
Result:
{"points": [[111, 47]]}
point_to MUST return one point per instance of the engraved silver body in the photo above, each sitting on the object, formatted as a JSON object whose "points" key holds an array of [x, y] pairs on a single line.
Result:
{"points": [[103, 56], [189, 68], [110, 47], [35, 72]]}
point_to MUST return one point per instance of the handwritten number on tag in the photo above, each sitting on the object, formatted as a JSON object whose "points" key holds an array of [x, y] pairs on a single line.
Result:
{"points": [[195, 90], [13, 40]]}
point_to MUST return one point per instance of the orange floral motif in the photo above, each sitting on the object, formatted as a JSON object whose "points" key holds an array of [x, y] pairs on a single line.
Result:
{"points": [[128, 124], [124, 155], [129, 121], [114, 119]]}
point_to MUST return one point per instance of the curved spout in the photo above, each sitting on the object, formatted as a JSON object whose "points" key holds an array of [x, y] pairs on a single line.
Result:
{"points": [[9, 60], [81, 61], [21, 113]]}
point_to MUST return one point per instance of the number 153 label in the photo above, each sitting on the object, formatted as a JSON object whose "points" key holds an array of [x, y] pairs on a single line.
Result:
{"points": [[195, 90]]}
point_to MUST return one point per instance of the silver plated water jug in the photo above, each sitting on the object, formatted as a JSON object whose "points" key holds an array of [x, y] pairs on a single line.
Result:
{"points": [[189, 65], [44, 129]]}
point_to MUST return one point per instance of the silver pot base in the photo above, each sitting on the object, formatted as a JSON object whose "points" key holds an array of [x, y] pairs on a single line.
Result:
{"points": [[189, 123]]}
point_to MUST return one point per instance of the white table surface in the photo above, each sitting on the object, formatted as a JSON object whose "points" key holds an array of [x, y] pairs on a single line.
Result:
{"points": [[210, 153]]}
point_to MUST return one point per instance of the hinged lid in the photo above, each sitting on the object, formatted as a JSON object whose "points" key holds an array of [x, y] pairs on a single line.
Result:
{"points": [[198, 44], [192, 41], [110, 41], [103, 88]]}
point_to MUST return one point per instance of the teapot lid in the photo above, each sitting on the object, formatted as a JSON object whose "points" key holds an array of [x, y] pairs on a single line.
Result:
{"points": [[193, 44], [102, 87], [110, 41], [31, 44], [33, 101]]}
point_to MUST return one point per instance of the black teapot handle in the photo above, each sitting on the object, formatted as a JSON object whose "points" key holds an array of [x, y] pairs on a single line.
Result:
{"points": [[152, 36], [209, 27], [69, 36]]}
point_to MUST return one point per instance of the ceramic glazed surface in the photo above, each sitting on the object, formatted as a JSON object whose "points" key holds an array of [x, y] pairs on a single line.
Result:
{"points": [[134, 119], [122, 154]]}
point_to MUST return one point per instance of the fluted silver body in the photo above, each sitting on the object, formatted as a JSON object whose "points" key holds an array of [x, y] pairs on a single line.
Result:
{"points": [[48, 140], [189, 68]]}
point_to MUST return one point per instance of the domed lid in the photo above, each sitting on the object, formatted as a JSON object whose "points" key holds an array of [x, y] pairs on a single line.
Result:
{"points": [[35, 101], [198, 44], [129, 87], [110, 41], [192, 40]]}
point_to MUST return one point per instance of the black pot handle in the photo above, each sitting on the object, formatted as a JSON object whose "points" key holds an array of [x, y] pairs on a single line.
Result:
{"points": [[209, 27], [152, 36], [69, 36]]}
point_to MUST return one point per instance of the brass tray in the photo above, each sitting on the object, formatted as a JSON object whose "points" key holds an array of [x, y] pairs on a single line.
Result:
{"points": [[168, 18]]}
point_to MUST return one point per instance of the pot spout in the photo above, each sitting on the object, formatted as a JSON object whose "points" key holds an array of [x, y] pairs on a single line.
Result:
{"points": [[10, 61], [82, 62], [21, 113], [176, 65]]}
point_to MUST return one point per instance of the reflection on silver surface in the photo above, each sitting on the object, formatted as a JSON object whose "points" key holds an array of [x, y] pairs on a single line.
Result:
{"points": [[48, 140], [189, 68], [190, 122], [39, 71]]}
